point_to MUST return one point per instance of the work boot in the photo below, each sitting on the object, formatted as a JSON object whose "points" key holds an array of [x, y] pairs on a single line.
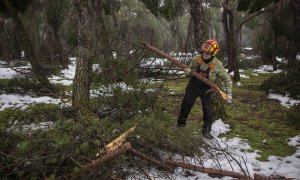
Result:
{"points": [[206, 134], [181, 123]]}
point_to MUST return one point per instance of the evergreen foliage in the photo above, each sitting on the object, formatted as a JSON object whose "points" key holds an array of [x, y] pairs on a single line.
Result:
{"points": [[293, 116], [168, 9], [19, 6], [284, 83], [56, 11], [253, 5]]}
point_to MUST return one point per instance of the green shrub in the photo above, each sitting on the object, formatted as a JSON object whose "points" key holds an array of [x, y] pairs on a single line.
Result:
{"points": [[293, 116], [283, 83], [253, 63], [27, 85]]}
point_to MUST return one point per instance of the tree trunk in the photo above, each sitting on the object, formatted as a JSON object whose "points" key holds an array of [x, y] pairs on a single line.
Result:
{"points": [[63, 60], [99, 27], [5, 51], [295, 38], [197, 14], [28, 47], [82, 79], [274, 52], [228, 24]]}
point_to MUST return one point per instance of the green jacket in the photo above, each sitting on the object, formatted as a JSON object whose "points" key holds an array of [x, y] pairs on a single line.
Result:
{"points": [[217, 71]]}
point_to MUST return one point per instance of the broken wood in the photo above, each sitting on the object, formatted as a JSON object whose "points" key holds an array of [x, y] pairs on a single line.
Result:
{"points": [[117, 142], [98, 162], [152, 160], [209, 171], [183, 66]]}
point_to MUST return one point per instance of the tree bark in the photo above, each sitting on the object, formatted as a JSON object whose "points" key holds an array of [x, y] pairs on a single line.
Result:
{"points": [[228, 24], [5, 51], [28, 47], [274, 52], [99, 26], [294, 45], [82, 79], [197, 14], [59, 49]]}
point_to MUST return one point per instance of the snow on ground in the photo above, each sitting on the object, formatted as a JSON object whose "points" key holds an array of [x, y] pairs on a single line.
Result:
{"points": [[284, 166], [67, 75], [22, 102], [31, 127], [241, 75], [266, 69], [7, 73], [284, 100]]}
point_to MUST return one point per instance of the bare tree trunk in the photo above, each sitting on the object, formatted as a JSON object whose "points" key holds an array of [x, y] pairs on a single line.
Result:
{"points": [[294, 45], [28, 47], [197, 14], [63, 60], [274, 52], [228, 24], [188, 37], [5, 51], [82, 79], [99, 28]]}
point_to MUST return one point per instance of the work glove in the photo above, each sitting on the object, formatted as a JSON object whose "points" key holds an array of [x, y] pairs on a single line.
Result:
{"points": [[187, 71], [229, 98]]}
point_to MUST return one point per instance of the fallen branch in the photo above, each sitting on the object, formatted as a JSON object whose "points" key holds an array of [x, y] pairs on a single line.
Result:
{"points": [[183, 66], [152, 160], [209, 171], [98, 162], [260, 177]]}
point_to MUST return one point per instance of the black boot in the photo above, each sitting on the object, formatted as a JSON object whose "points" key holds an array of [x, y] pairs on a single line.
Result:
{"points": [[181, 122], [206, 133]]}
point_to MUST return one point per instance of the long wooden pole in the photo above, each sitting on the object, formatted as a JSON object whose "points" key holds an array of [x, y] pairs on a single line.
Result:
{"points": [[183, 66]]}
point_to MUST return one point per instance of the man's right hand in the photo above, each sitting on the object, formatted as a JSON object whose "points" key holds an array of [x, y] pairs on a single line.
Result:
{"points": [[187, 71]]}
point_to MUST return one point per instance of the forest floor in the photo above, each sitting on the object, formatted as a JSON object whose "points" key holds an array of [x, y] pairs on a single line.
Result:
{"points": [[255, 122]]}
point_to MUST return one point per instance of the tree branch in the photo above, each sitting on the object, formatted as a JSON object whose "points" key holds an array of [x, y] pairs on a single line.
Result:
{"points": [[210, 171], [98, 162], [248, 19]]}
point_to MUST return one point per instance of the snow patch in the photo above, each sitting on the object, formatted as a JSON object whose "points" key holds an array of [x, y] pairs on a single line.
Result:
{"points": [[288, 166], [294, 141], [284, 100], [266, 69], [219, 127], [22, 102]]}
